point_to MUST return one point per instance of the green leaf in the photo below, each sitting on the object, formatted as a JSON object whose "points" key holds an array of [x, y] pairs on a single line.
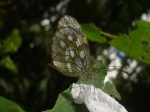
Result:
{"points": [[8, 63], [99, 65], [110, 89], [65, 103], [12, 43], [92, 33], [138, 46], [101, 73], [9, 106]]}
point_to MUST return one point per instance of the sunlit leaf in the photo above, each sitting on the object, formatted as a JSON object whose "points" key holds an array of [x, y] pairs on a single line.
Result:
{"points": [[138, 46], [92, 33]]}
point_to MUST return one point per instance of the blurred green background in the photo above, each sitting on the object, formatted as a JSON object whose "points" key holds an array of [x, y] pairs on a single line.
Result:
{"points": [[26, 29]]}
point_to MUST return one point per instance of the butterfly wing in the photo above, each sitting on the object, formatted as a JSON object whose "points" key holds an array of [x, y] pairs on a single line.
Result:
{"points": [[70, 50], [69, 22]]}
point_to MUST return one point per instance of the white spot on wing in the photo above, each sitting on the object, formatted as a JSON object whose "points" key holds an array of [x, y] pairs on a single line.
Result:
{"points": [[72, 53], [70, 37], [78, 42], [69, 67], [62, 44], [82, 54], [57, 63]]}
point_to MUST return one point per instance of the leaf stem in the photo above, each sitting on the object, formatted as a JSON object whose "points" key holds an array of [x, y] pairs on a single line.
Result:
{"points": [[107, 34]]}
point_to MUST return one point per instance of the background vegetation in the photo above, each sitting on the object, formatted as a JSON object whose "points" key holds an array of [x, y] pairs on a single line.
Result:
{"points": [[26, 28]]}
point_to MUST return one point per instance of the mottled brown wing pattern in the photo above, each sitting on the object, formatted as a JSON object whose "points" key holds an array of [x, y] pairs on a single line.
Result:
{"points": [[70, 22], [70, 50]]}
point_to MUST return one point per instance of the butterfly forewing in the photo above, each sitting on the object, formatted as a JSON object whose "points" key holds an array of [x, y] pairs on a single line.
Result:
{"points": [[70, 50], [70, 22]]}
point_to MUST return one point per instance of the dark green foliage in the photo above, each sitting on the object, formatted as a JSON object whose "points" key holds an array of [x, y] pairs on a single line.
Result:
{"points": [[9, 106], [25, 76]]}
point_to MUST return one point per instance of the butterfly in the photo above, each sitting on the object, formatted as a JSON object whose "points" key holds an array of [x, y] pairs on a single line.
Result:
{"points": [[70, 50]]}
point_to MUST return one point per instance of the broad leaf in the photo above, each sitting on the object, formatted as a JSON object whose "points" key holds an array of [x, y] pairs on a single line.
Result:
{"points": [[65, 103], [92, 33], [110, 89], [101, 73], [138, 46]]}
